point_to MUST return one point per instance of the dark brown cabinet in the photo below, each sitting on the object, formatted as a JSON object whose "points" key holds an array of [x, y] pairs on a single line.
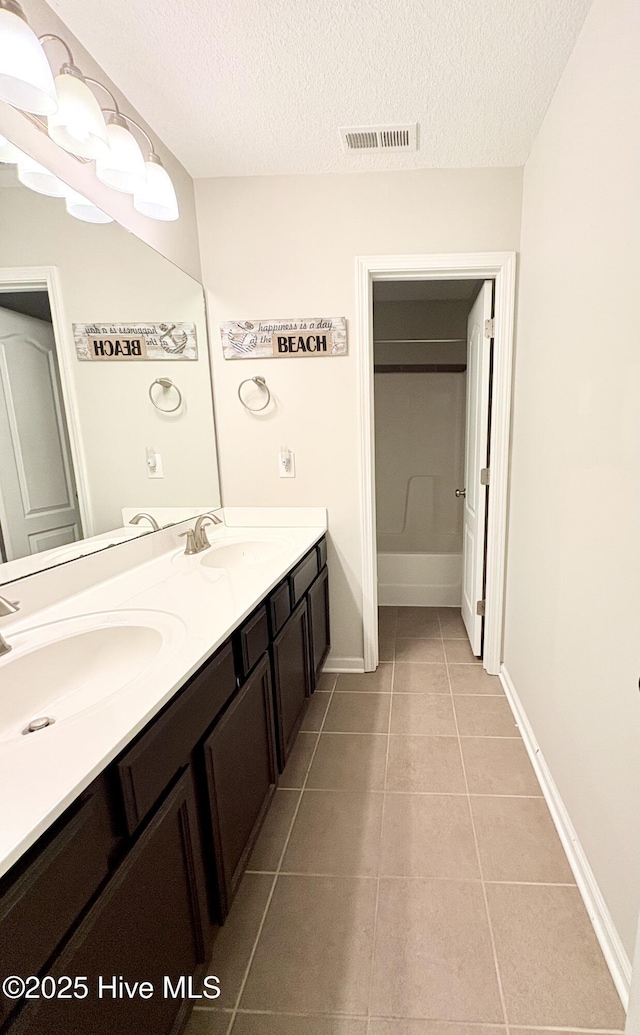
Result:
{"points": [[148, 922], [241, 777], [319, 638], [291, 678]]}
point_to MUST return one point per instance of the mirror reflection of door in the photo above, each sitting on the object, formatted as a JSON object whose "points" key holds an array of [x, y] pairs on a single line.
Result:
{"points": [[38, 501]]}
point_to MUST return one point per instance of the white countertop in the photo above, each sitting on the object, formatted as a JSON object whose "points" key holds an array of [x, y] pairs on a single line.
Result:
{"points": [[41, 774]]}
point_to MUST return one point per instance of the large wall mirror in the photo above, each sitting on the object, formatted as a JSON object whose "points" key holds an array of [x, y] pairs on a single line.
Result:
{"points": [[86, 444]]}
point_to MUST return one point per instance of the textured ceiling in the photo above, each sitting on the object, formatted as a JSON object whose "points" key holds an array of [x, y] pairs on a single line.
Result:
{"points": [[239, 87]]}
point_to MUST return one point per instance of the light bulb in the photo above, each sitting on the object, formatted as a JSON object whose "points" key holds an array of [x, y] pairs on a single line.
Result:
{"points": [[156, 197], [36, 177], [26, 81], [8, 152], [78, 125], [122, 167], [81, 208]]}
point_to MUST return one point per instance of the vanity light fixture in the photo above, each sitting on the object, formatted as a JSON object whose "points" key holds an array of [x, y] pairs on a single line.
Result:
{"points": [[8, 152], [26, 80], [36, 177], [78, 125], [156, 197], [81, 208]]}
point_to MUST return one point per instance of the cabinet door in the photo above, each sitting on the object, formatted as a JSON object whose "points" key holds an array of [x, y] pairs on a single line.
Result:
{"points": [[319, 623], [241, 777], [291, 674], [148, 922]]}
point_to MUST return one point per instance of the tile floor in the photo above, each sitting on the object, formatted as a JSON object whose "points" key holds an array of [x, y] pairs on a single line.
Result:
{"points": [[408, 879]]}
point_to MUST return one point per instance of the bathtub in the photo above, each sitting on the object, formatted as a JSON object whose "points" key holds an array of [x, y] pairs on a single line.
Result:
{"points": [[420, 579]]}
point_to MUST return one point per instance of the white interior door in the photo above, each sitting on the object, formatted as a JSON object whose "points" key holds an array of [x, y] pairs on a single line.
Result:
{"points": [[38, 504], [478, 369]]}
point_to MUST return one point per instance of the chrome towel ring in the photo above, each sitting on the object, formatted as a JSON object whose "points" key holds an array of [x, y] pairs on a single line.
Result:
{"points": [[165, 383], [261, 383]]}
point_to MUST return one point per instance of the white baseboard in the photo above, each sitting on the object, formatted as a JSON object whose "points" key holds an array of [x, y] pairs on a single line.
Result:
{"points": [[334, 664], [613, 950]]}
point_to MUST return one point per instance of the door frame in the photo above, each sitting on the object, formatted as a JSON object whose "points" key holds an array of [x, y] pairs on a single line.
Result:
{"points": [[501, 268], [39, 278]]}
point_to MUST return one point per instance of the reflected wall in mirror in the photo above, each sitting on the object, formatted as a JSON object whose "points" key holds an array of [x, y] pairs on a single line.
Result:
{"points": [[81, 441]]}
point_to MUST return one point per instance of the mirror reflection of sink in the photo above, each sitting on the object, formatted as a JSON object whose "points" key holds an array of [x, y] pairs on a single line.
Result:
{"points": [[240, 553], [63, 669]]}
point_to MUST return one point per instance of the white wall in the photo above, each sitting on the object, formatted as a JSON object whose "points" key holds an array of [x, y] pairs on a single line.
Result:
{"points": [[177, 240], [572, 645], [108, 275], [285, 246]]}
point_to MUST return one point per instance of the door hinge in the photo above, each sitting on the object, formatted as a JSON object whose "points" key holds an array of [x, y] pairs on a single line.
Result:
{"points": [[480, 608], [484, 476], [489, 328]]}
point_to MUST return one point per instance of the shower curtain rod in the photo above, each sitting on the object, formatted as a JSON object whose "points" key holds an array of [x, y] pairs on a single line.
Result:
{"points": [[415, 341]]}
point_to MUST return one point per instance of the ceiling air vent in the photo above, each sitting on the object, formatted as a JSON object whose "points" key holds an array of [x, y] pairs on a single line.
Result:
{"points": [[380, 138]]}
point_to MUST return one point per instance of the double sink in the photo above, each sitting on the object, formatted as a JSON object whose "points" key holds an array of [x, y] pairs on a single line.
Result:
{"points": [[60, 670]]}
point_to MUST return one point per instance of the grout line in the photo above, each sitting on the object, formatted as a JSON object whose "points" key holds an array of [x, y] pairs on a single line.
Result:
{"points": [[475, 838], [280, 860]]}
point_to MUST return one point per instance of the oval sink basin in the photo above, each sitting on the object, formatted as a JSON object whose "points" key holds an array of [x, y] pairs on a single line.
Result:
{"points": [[240, 553], [60, 670]]}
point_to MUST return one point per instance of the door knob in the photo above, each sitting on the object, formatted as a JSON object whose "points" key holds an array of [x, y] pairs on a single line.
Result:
{"points": [[461, 492]]}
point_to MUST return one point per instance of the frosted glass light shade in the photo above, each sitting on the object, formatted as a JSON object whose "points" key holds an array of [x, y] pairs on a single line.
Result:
{"points": [[78, 125], [81, 208], [38, 178], [8, 153], [26, 80], [122, 167], [156, 197]]}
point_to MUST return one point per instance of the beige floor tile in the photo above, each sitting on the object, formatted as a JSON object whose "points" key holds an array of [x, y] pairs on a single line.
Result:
{"points": [[387, 647], [316, 711], [278, 1024], [545, 1031], [552, 970], [459, 652], [413, 1027], [358, 713], [349, 762], [425, 764], [433, 955], [297, 766], [275, 830], [367, 682], [419, 650], [327, 681], [208, 1022], [387, 618], [483, 716], [420, 679], [428, 835], [498, 766], [472, 679], [518, 841], [423, 713], [418, 621], [314, 952], [451, 623], [235, 940], [336, 832]]}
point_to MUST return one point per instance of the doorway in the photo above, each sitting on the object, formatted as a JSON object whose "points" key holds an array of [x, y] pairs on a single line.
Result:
{"points": [[484, 526]]}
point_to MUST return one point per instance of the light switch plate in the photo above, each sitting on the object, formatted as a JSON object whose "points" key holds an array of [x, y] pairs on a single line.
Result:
{"points": [[286, 463]]}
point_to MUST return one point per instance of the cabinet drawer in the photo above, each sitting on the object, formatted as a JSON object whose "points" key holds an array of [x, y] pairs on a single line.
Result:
{"points": [[279, 608], [147, 768], [39, 908], [254, 640], [322, 553], [302, 576]]}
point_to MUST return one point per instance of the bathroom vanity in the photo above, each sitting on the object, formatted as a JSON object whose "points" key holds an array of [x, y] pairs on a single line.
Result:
{"points": [[131, 880]]}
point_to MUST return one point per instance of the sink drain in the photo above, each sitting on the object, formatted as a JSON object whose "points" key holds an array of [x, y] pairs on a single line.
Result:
{"points": [[39, 724]]}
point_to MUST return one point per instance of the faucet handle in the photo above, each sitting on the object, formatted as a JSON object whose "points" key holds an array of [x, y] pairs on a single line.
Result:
{"points": [[191, 546]]}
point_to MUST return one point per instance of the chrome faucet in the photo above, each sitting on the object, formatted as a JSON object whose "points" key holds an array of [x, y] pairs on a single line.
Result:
{"points": [[7, 607], [197, 537], [145, 517]]}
